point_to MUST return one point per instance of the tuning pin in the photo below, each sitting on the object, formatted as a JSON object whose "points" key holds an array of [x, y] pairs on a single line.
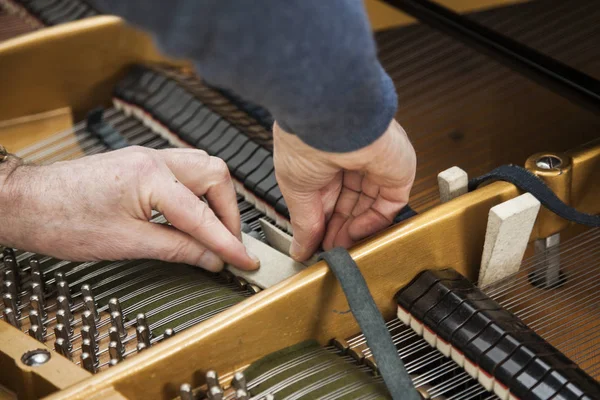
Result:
{"points": [[11, 317], [37, 305], [62, 288], [60, 331], [9, 275], [212, 379], [114, 336], [88, 334], [36, 332], [63, 319], [215, 393], [116, 320], [86, 291], [58, 277], [88, 346], [115, 306], [38, 290], [36, 319], [9, 287], [63, 304], [8, 252], [114, 352], [168, 333], [270, 397], [11, 264], [36, 273], [88, 362], [34, 265], [143, 335], [87, 318], [9, 302], [185, 392], [62, 348], [141, 347], [140, 319], [239, 381], [90, 305], [241, 394]]}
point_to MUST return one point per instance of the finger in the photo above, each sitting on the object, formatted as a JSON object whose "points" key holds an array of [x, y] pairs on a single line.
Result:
{"points": [[381, 214], [189, 214], [162, 242], [343, 211], [308, 222], [331, 193], [206, 176]]}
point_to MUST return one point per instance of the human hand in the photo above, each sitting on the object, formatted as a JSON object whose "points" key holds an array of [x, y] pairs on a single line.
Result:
{"points": [[341, 198], [98, 208]]}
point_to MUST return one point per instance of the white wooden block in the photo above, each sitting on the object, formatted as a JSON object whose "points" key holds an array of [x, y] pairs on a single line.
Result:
{"points": [[452, 183], [508, 230], [274, 266]]}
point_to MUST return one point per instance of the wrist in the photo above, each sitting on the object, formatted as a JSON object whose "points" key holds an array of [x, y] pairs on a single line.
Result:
{"points": [[8, 194]]}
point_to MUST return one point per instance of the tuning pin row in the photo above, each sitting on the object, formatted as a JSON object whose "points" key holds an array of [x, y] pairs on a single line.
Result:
{"points": [[11, 295], [215, 391], [10, 301], [37, 276], [87, 333], [36, 332], [62, 347], [115, 352], [89, 362], [36, 319], [61, 332], [11, 265], [37, 305], [10, 317]]}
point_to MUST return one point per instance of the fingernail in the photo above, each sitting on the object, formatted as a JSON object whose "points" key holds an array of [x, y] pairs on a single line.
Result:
{"points": [[295, 250], [254, 258], [211, 262]]}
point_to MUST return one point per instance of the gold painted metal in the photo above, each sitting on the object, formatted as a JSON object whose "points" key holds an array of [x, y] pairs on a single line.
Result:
{"points": [[559, 180], [33, 382], [70, 65]]}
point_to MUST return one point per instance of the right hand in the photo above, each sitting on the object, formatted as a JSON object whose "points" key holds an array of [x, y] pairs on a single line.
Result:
{"points": [[98, 208], [341, 198]]}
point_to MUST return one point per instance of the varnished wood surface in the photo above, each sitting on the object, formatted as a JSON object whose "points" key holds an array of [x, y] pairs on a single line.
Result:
{"points": [[383, 16], [71, 65], [19, 133], [461, 108]]}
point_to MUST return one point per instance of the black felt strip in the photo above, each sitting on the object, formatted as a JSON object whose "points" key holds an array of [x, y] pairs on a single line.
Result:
{"points": [[371, 323], [528, 182]]}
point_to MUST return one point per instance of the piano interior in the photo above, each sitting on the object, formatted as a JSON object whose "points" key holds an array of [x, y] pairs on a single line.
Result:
{"points": [[78, 83]]}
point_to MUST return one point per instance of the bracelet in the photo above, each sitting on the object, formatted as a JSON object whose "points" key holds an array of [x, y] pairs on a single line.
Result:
{"points": [[3, 154]]}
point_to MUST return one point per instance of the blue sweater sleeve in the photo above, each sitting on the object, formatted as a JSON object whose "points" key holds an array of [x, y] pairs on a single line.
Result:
{"points": [[312, 63]]}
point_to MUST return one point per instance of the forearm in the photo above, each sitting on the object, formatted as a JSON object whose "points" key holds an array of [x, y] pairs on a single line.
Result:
{"points": [[312, 63]]}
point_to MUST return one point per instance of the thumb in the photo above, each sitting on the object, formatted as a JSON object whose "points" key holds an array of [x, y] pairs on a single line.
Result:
{"points": [[308, 222], [166, 243]]}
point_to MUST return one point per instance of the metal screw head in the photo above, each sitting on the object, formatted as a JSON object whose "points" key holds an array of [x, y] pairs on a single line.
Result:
{"points": [[548, 162], [36, 358]]}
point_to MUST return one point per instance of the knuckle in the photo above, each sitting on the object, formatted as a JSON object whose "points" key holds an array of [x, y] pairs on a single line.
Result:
{"points": [[219, 168], [177, 251]]}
